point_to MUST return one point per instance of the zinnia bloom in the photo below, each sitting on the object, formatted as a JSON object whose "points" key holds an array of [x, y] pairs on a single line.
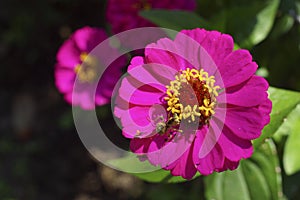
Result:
{"points": [[124, 14], [193, 103], [73, 60]]}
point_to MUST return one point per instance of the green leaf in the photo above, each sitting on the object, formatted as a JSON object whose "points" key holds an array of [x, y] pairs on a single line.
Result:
{"points": [[175, 20], [266, 158], [291, 156], [249, 24], [265, 20], [255, 178], [283, 103], [283, 25], [133, 165], [162, 176]]}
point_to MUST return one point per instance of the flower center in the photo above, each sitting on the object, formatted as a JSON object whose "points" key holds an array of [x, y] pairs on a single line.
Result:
{"points": [[192, 94], [87, 70]]}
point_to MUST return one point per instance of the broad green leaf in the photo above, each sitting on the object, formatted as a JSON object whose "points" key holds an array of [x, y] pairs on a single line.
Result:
{"points": [[249, 24], [291, 156], [283, 25], [287, 127], [256, 178], [133, 165], [265, 20], [162, 176], [267, 159], [175, 20], [227, 185], [283, 103]]}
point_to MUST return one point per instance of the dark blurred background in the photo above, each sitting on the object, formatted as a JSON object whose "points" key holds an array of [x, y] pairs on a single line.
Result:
{"points": [[41, 155]]}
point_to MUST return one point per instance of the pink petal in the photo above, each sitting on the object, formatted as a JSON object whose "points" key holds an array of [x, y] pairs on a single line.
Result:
{"points": [[233, 147], [228, 165], [88, 38], [184, 166], [250, 93], [237, 67], [171, 150], [151, 73], [136, 93], [68, 55], [140, 122], [139, 145], [68, 98], [145, 146], [196, 34], [105, 91], [166, 52], [216, 44], [265, 108], [136, 61], [188, 49], [158, 142], [207, 154], [121, 103], [202, 49], [214, 160], [83, 97], [137, 119], [102, 98], [246, 123], [64, 79]]}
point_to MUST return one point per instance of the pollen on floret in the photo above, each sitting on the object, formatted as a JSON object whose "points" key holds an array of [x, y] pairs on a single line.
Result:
{"points": [[87, 70]]}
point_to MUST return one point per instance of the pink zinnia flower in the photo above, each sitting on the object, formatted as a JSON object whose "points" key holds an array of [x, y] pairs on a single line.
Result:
{"points": [[124, 14], [73, 60], [193, 104]]}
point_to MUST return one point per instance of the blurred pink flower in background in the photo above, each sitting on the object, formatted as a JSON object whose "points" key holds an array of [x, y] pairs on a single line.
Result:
{"points": [[73, 60], [198, 104], [124, 14]]}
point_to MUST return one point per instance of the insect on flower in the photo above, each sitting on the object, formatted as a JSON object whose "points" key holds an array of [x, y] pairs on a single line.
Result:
{"points": [[163, 127]]}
